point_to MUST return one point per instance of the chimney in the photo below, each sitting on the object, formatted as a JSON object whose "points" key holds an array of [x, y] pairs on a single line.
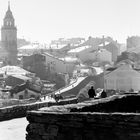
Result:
{"points": [[103, 41]]}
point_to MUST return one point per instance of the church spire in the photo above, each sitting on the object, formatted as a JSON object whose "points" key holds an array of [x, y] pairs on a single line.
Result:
{"points": [[8, 14], [9, 36], [8, 5], [9, 19]]}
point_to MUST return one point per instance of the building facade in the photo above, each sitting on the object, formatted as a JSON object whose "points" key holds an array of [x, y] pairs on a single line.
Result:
{"points": [[36, 64], [56, 65], [125, 78], [103, 55], [99, 55], [113, 47], [9, 37]]}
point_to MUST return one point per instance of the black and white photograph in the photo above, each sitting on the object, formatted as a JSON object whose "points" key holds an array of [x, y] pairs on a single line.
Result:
{"points": [[70, 70]]}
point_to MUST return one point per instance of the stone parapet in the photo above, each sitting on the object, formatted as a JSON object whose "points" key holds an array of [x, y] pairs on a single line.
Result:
{"points": [[83, 126], [84, 121], [18, 111]]}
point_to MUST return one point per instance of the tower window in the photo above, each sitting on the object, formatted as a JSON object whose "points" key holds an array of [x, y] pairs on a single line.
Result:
{"points": [[9, 23]]}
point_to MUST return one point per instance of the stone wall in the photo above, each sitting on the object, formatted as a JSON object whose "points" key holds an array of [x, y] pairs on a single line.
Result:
{"points": [[117, 103], [83, 126], [18, 111], [77, 122]]}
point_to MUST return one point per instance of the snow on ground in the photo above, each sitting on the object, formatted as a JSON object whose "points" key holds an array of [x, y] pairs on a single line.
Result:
{"points": [[80, 79], [14, 129], [99, 70], [49, 99]]}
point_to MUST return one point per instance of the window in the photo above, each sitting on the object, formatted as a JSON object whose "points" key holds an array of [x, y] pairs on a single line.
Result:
{"points": [[20, 96], [32, 96], [43, 58]]}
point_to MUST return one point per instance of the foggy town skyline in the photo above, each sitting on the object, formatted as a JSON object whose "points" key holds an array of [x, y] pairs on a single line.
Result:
{"points": [[47, 20]]}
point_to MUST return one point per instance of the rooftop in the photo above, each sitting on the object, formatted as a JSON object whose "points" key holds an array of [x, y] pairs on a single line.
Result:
{"points": [[78, 49]]}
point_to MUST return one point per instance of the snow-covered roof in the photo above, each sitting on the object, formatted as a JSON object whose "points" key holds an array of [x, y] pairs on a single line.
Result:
{"points": [[84, 70], [57, 46], [32, 47], [105, 43], [69, 59], [102, 50], [52, 56], [79, 49], [99, 70], [23, 77], [11, 70]]}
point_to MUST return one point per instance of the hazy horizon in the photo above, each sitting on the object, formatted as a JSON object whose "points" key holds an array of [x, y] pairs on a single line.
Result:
{"points": [[47, 20]]}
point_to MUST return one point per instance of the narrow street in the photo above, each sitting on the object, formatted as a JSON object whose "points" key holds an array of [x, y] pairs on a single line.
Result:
{"points": [[14, 129]]}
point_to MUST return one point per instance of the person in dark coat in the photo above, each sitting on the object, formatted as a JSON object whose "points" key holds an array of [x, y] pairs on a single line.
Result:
{"points": [[103, 94], [91, 92]]}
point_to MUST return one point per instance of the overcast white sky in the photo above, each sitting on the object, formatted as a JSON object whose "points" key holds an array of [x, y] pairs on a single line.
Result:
{"points": [[44, 20]]}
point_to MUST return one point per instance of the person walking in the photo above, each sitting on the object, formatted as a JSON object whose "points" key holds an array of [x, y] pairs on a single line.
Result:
{"points": [[103, 94], [44, 97], [91, 92]]}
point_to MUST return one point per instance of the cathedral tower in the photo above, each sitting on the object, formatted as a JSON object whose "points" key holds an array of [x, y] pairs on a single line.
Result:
{"points": [[9, 37]]}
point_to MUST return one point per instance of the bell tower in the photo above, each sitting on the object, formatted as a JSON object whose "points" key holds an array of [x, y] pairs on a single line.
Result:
{"points": [[9, 37]]}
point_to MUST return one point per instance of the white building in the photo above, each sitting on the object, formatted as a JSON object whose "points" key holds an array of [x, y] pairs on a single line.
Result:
{"points": [[114, 48], [58, 65], [125, 77], [103, 55]]}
